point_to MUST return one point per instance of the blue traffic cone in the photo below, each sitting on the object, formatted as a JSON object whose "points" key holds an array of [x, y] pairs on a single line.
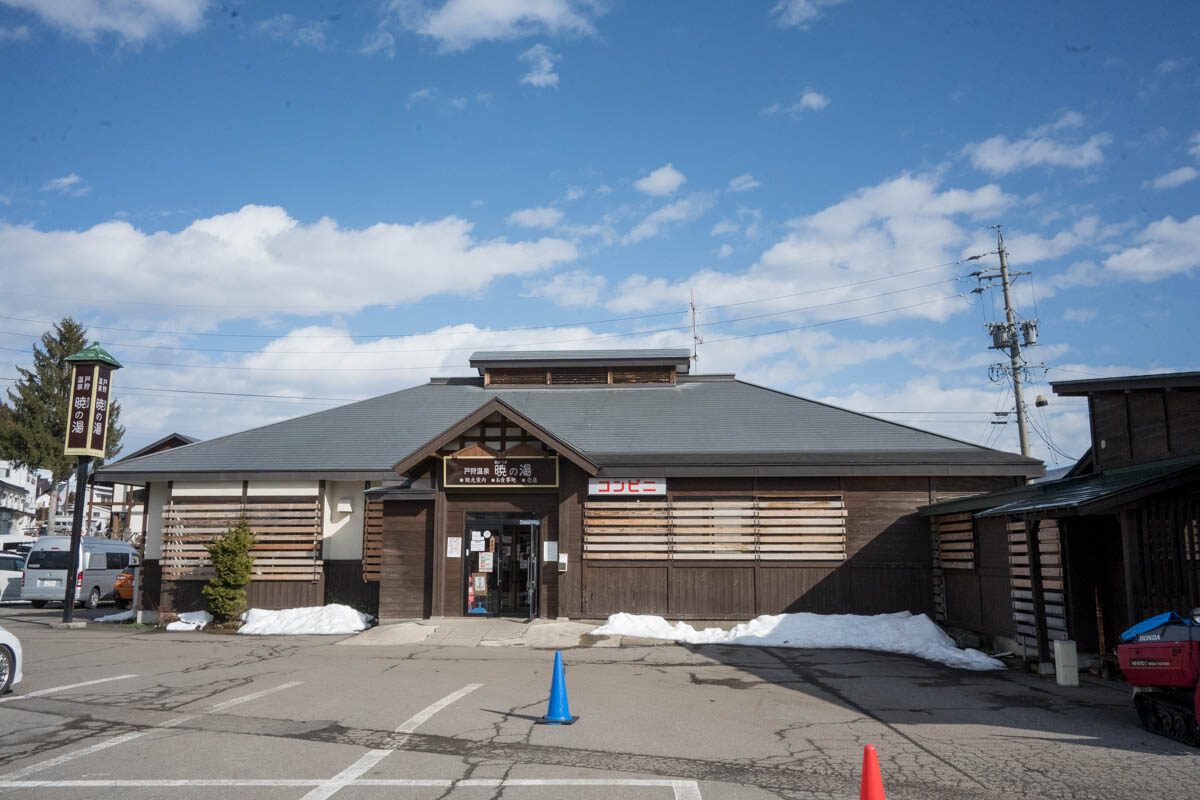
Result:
{"points": [[559, 712]]}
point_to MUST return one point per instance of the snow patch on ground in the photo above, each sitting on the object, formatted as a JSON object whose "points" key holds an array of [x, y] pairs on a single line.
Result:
{"points": [[120, 616], [890, 633], [191, 621], [331, 619]]}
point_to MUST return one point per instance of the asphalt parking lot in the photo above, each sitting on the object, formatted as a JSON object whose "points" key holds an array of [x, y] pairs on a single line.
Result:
{"points": [[112, 712]]}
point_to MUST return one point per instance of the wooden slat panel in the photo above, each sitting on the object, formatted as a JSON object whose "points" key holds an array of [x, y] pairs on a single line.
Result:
{"points": [[800, 528]]}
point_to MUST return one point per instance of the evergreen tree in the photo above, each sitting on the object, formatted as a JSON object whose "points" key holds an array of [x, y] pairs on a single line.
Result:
{"points": [[231, 558], [33, 424]]}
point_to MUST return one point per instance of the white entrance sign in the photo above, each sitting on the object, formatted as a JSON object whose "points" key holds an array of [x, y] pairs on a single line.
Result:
{"points": [[477, 546], [623, 487], [454, 547]]}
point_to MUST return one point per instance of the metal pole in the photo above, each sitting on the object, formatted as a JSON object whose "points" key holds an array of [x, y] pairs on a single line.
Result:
{"points": [[81, 476], [1014, 350]]}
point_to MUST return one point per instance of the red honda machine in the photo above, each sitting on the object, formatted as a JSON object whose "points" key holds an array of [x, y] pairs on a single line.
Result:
{"points": [[1161, 660]]}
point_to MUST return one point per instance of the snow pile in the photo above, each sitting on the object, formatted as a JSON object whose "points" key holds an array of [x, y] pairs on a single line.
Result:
{"points": [[318, 619], [191, 621], [889, 633], [120, 616]]}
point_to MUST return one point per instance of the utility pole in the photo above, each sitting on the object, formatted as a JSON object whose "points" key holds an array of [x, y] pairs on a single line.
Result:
{"points": [[1014, 351], [1004, 335], [696, 340]]}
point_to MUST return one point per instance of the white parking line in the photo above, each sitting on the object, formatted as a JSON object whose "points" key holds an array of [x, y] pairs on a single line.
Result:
{"points": [[52, 690], [683, 790], [359, 768], [247, 698], [128, 737]]}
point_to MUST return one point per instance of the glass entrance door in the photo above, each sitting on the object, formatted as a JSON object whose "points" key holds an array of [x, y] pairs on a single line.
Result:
{"points": [[500, 566]]}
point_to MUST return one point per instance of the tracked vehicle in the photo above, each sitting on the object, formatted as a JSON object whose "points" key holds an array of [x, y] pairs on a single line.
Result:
{"points": [[1161, 660]]}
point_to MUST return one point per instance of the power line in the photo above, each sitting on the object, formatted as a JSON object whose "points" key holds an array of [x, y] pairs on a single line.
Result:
{"points": [[728, 321], [515, 329], [197, 391]]}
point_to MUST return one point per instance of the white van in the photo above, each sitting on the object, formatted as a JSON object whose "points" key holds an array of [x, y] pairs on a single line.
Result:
{"points": [[101, 560]]}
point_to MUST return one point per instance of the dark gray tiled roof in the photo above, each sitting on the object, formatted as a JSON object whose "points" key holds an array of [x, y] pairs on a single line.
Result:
{"points": [[726, 421]]}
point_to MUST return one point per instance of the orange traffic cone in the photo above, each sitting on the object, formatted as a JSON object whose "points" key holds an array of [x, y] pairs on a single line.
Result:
{"points": [[872, 781]]}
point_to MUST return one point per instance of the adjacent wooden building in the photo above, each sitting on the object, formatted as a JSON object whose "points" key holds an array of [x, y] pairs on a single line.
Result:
{"points": [[569, 484], [1115, 541]]}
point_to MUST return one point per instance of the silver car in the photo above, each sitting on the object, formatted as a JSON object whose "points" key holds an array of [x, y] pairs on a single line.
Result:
{"points": [[10, 661]]}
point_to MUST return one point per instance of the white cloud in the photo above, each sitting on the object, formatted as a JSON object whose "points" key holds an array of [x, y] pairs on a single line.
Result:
{"points": [[576, 288], [810, 100], [128, 20], [725, 227], [379, 42], [1172, 65], [1079, 314], [1176, 177], [71, 185], [262, 252], [541, 70], [999, 155], [799, 13], [726, 251], [543, 217], [461, 24], [902, 224], [689, 208], [295, 31], [17, 34], [425, 93], [1194, 145], [743, 183], [575, 192], [663, 181], [1166, 247], [814, 101], [603, 190]]}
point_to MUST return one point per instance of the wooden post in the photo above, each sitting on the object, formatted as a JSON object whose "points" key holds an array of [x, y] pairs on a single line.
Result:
{"points": [[1034, 550], [1132, 557]]}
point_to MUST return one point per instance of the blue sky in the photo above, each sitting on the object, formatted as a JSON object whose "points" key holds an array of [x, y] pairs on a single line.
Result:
{"points": [[326, 201]]}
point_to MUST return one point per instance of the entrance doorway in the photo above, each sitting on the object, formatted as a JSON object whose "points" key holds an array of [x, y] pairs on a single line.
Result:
{"points": [[500, 565]]}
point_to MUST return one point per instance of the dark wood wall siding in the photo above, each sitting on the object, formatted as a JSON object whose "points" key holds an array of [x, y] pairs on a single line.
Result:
{"points": [[979, 599], [1144, 425], [344, 584], [1183, 421], [888, 564], [1110, 422], [151, 584], [407, 566], [180, 596]]}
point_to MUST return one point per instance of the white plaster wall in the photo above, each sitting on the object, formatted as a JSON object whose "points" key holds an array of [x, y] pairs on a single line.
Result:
{"points": [[343, 531], [207, 489], [158, 498], [281, 488]]}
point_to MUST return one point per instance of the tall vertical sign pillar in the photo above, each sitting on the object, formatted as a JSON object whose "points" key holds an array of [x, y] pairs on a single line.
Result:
{"points": [[86, 437]]}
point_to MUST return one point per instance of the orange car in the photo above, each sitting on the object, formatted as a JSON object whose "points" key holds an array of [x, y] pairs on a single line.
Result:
{"points": [[123, 588]]}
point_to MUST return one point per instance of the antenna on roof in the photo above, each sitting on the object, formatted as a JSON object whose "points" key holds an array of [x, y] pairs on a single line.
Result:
{"points": [[696, 340]]}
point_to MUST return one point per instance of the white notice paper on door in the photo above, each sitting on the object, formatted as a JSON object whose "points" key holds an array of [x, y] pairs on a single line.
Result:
{"points": [[477, 546], [454, 547], [549, 551]]}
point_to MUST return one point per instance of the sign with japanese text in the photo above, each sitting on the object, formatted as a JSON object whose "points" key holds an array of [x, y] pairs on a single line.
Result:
{"points": [[623, 487], [87, 415], [518, 472]]}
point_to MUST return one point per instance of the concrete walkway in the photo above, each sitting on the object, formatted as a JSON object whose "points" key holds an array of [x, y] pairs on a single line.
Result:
{"points": [[494, 632]]}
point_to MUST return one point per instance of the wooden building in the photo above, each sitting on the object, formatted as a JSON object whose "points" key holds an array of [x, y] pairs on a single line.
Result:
{"points": [[1113, 542], [569, 484]]}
